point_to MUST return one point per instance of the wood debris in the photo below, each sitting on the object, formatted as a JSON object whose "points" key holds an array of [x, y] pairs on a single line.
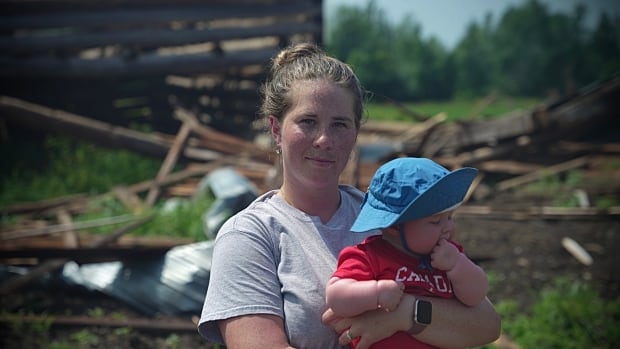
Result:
{"points": [[495, 146]]}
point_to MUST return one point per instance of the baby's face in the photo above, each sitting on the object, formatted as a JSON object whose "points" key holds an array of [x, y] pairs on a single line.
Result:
{"points": [[424, 233]]}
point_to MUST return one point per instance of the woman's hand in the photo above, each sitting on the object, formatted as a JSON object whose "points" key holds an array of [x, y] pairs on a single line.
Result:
{"points": [[372, 326]]}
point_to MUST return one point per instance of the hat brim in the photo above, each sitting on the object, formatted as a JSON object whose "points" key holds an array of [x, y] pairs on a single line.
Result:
{"points": [[446, 193]]}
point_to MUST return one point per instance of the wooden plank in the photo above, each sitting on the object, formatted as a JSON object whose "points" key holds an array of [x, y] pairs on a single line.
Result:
{"points": [[590, 148], [148, 38], [474, 157], [538, 174], [84, 255], [70, 237], [487, 131], [39, 117], [220, 141], [508, 166], [540, 212], [44, 118], [16, 282], [47, 6], [146, 64], [25, 207], [191, 171], [169, 162], [59, 228], [153, 15], [129, 199], [87, 239]]}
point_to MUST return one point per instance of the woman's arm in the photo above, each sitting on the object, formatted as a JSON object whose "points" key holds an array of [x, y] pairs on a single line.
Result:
{"points": [[453, 324], [254, 331]]}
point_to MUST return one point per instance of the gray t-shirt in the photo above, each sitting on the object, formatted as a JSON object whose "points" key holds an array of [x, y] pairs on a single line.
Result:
{"points": [[272, 258]]}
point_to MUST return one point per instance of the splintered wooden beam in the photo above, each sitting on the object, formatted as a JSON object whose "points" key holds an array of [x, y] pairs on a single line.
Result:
{"points": [[51, 229], [544, 212], [130, 199], [41, 205], [54, 264], [40, 117], [220, 141], [70, 237], [540, 173], [508, 167], [169, 162]]}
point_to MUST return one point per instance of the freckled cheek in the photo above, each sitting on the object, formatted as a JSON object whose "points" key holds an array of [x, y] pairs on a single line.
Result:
{"points": [[345, 142], [295, 138]]}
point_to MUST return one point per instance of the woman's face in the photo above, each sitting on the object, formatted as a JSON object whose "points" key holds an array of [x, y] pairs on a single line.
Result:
{"points": [[316, 135]]}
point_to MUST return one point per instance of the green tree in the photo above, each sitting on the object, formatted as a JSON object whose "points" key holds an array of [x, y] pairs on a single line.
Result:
{"points": [[537, 51], [363, 38], [528, 52], [474, 60], [603, 46], [391, 60], [407, 50]]}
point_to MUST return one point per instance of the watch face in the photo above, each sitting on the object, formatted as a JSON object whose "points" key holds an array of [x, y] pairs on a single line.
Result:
{"points": [[423, 312]]}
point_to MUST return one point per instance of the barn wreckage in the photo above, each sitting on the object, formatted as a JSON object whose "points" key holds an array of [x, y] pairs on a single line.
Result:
{"points": [[87, 70]]}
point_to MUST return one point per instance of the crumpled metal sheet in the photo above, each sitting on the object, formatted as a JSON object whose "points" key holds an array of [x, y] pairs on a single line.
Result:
{"points": [[233, 192], [174, 284]]}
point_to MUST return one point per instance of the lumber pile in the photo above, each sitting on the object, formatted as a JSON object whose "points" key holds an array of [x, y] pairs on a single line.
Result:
{"points": [[131, 61], [510, 152]]}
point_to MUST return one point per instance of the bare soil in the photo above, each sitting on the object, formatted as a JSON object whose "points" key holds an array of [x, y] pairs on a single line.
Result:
{"points": [[522, 257]]}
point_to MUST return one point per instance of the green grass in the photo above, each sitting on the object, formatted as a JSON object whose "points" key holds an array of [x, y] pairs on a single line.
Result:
{"points": [[63, 167], [455, 110], [569, 315], [60, 166], [562, 188]]}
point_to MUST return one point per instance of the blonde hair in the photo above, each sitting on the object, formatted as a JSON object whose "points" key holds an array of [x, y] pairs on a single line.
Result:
{"points": [[306, 61]]}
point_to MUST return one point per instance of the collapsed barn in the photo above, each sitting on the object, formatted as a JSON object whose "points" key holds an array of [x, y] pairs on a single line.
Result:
{"points": [[132, 61]]}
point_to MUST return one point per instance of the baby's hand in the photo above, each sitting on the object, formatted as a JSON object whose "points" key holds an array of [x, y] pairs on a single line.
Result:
{"points": [[444, 255], [390, 293]]}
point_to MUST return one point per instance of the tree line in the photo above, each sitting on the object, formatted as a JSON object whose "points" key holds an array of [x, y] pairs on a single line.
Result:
{"points": [[528, 52]]}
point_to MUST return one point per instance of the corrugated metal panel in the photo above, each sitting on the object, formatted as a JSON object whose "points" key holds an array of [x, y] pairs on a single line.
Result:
{"points": [[174, 284]]}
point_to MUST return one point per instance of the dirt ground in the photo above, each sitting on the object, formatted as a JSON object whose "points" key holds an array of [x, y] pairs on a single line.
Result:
{"points": [[521, 256]]}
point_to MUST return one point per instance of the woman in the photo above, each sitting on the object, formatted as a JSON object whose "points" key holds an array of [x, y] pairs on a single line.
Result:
{"points": [[272, 260]]}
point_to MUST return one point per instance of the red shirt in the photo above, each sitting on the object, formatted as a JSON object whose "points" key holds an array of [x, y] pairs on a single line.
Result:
{"points": [[376, 259]]}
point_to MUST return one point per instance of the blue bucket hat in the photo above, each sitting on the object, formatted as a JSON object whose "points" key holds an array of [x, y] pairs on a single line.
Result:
{"points": [[409, 188]]}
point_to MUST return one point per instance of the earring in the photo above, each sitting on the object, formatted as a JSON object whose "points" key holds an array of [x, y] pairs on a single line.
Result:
{"points": [[278, 151]]}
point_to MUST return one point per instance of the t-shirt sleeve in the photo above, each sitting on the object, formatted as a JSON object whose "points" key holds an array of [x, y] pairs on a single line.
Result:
{"points": [[354, 263], [243, 280]]}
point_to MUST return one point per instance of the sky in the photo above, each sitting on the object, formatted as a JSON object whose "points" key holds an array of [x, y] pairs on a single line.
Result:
{"points": [[448, 19]]}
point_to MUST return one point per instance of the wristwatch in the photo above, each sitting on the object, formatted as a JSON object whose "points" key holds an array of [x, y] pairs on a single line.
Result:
{"points": [[423, 312]]}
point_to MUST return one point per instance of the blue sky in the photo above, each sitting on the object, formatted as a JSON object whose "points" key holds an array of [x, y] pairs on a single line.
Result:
{"points": [[448, 19]]}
